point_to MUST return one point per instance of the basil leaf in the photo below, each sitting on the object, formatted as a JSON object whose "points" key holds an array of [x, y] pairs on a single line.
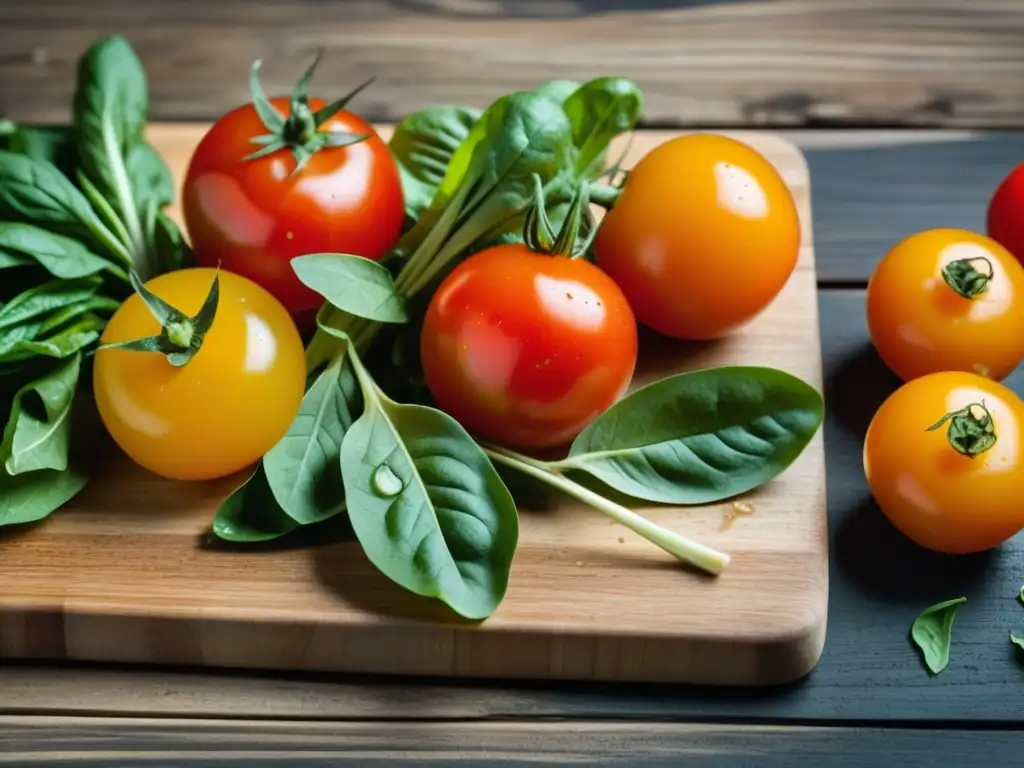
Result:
{"points": [[427, 505], [52, 143], [110, 106], [38, 430], [302, 469], [1017, 638], [251, 515], [599, 111], [62, 344], [35, 192], [932, 633], [32, 496], [701, 436], [423, 144], [353, 284], [45, 298], [60, 256]]}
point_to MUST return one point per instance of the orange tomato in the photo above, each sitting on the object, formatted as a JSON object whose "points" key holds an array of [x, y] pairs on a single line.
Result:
{"points": [[703, 237], [224, 408], [948, 300], [943, 459]]}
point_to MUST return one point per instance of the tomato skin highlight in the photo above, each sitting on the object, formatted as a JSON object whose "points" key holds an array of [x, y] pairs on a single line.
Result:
{"points": [[703, 237], [1005, 218], [526, 349], [224, 408], [253, 216], [920, 325], [935, 496]]}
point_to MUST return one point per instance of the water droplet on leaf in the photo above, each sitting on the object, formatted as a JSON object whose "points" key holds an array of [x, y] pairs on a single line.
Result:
{"points": [[385, 482]]}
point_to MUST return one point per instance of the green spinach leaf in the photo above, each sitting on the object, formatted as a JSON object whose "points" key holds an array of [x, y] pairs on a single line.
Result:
{"points": [[426, 504], [110, 110], [47, 297], [32, 496], [599, 111], [701, 436], [932, 633], [150, 177], [59, 255], [36, 192], [64, 343], [38, 430], [52, 143], [172, 252], [251, 515], [1017, 638], [353, 284], [302, 469], [9, 259], [423, 144]]}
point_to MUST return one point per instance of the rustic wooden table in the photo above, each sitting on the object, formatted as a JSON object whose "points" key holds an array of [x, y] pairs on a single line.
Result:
{"points": [[782, 65]]}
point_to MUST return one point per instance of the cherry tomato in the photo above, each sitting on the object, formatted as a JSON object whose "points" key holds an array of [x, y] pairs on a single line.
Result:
{"points": [[254, 216], [943, 458], [947, 300], [1006, 213], [703, 237], [224, 408], [526, 349]]}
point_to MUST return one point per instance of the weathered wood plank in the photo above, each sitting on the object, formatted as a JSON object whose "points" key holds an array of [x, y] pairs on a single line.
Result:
{"points": [[700, 62], [869, 671], [125, 742]]}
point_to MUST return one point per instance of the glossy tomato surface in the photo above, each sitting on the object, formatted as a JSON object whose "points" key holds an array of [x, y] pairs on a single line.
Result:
{"points": [[225, 407], [1005, 221], [935, 495], [527, 349], [254, 216], [703, 237], [920, 324]]}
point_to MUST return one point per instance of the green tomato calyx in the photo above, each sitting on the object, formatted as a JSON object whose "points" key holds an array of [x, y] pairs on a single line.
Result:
{"points": [[971, 431], [965, 277], [181, 336], [539, 234], [300, 130]]}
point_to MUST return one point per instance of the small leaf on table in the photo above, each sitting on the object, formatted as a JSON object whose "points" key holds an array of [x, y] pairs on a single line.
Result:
{"points": [[932, 633], [1017, 638], [251, 514], [32, 496]]}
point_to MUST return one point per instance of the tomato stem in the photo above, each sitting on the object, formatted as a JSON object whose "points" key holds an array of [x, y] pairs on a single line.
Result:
{"points": [[971, 431], [300, 130], [685, 549], [181, 336], [966, 279]]}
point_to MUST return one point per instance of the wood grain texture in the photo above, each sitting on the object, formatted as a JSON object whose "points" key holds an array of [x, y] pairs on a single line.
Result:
{"points": [[121, 573], [113, 743], [700, 62], [869, 672]]}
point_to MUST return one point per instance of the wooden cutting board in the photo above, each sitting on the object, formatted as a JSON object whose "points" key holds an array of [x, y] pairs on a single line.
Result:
{"points": [[124, 573]]}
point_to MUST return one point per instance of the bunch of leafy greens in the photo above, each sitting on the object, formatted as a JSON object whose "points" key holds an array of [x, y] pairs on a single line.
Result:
{"points": [[80, 206], [425, 499]]}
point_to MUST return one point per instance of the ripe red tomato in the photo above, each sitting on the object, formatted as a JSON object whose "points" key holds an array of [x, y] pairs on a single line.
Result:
{"points": [[526, 349], [253, 216], [703, 237], [1006, 213]]}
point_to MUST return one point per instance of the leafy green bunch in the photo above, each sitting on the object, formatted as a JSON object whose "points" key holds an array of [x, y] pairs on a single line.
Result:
{"points": [[426, 500], [81, 206]]}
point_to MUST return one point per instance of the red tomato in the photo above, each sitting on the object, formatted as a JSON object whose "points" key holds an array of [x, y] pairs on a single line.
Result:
{"points": [[526, 349], [703, 237], [254, 216], [1006, 213]]}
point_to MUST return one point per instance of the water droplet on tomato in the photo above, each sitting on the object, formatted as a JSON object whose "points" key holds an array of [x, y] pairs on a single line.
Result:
{"points": [[385, 482]]}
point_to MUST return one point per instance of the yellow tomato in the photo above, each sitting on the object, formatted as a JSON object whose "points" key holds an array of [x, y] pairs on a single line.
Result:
{"points": [[224, 408], [703, 237], [943, 458], [948, 300]]}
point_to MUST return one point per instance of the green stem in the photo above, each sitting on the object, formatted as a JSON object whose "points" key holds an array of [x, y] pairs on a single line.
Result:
{"points": [[604, 195], [685, 549]]}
